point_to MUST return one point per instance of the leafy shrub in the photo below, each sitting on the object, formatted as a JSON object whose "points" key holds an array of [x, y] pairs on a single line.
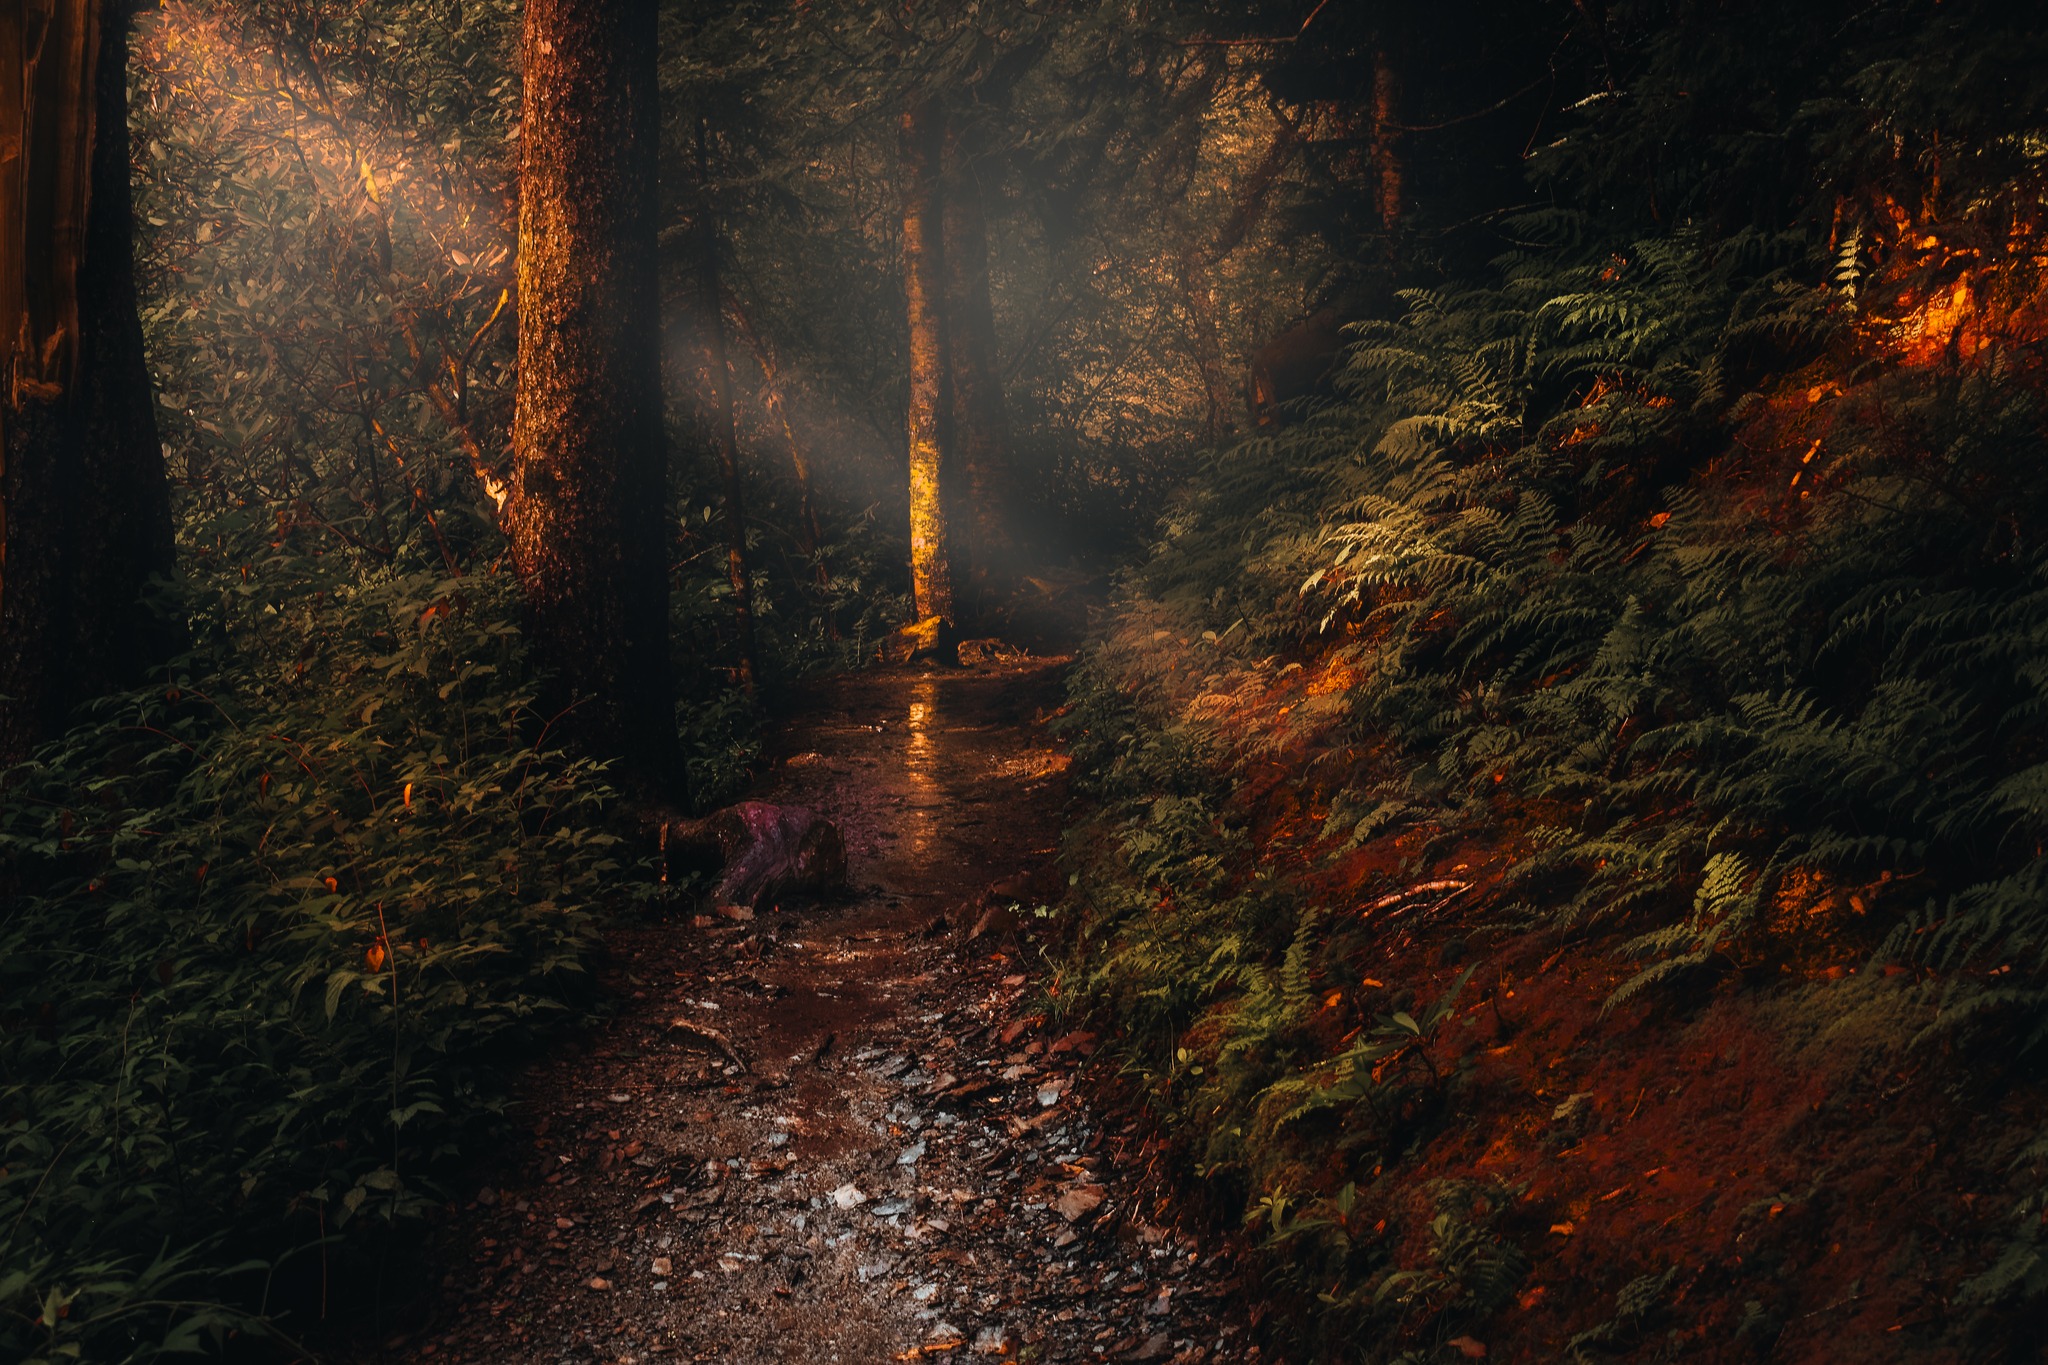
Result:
{"points": [[273, 928], [1688, 585]]}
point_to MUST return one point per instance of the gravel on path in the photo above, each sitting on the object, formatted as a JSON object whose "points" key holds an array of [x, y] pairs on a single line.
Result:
{"points": [[841, 1133]]}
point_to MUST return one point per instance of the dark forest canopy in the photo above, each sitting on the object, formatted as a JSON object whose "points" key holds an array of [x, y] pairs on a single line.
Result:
{"points": [[1580, 456]]}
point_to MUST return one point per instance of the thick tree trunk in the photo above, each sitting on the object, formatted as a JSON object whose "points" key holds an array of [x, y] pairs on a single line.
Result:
{"points": [[980, 430], [724, 431], [84, 506], [587, 506], [931, 570]]}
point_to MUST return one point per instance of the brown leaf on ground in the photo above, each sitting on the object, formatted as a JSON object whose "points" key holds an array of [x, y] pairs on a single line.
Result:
{"points": [[1078, 1202]]}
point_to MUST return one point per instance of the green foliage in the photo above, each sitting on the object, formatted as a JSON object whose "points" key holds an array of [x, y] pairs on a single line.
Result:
{"points": [[277, 922], [1651, 563]]}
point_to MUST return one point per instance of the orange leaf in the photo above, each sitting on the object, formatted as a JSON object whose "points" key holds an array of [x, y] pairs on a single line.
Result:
{"points": [[408, 793], [375, 957]]}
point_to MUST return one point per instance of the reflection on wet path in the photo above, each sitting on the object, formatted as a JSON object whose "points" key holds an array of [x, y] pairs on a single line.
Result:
{"points": [[921, 771]]}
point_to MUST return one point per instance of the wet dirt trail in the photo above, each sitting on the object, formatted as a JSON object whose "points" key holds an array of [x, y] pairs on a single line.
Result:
{"points": [[893, 1160]]}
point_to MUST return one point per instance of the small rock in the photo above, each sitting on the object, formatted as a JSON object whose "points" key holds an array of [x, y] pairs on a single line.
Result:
{"points": [[599, 1282], [848, 1195], [911, 1154], [990, 1341], [661, 1266]]}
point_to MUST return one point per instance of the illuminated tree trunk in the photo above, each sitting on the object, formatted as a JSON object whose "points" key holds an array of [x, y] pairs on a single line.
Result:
{"points": [[84, 505], [980, 430], [724, 432], [587, 503], [931, 570]]}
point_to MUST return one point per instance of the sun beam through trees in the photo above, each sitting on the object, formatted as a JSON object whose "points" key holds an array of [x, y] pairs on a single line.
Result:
{"points": [[1127, 679]]}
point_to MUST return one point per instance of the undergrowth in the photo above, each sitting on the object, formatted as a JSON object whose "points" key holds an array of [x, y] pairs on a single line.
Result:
{"points": [[1675, 597], [274, 925]]}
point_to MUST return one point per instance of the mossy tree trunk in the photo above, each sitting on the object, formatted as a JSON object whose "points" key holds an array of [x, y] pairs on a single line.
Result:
{"points": [[84, 504], [586, 512], [931, 569]]}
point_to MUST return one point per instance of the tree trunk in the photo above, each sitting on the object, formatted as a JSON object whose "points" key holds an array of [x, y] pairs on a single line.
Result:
{"points": [[1386, 142], [84, 505], [1205, 338], [724, 432], [777, 403], [587, 505], [979, 426], [931, 570]]}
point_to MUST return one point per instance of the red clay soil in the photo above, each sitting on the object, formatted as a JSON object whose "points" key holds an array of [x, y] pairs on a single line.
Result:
{"points": [[890, 1162]]}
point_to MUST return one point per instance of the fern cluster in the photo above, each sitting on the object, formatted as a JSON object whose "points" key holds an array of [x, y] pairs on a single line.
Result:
{"points": [[1691, 578]]}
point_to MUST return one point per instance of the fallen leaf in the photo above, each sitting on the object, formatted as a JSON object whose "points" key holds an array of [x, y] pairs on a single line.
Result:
{"points": [[1078, 1202], [1469, 1348]]}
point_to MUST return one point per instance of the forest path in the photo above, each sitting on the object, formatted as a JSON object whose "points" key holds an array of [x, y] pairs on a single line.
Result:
{"points": [[905, 1169]]}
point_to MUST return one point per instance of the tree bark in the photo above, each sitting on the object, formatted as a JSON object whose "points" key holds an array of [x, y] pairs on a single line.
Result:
{"points": [[587, 505], [1389, 169], [85, 515], [724, 431], [980, 428], [777, 403], [1198, 295], [931, 570]]}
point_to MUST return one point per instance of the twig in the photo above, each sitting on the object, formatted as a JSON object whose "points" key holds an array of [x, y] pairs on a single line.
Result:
{"points": [[1409, 893], [1259, 42], [705, 1033]]}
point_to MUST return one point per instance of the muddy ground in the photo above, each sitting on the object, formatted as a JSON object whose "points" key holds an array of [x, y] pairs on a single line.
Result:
{"points": [[841, 1132]]}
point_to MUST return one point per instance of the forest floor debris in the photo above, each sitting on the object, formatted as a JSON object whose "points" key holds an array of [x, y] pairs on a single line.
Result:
{"points": [[840, 1132]]}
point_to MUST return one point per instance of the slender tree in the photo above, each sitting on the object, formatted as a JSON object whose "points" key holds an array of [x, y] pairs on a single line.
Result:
{"points": [[586, 509], [724, 431], [1389, 165], [980, 430], [931, 568], [84, 504]]}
